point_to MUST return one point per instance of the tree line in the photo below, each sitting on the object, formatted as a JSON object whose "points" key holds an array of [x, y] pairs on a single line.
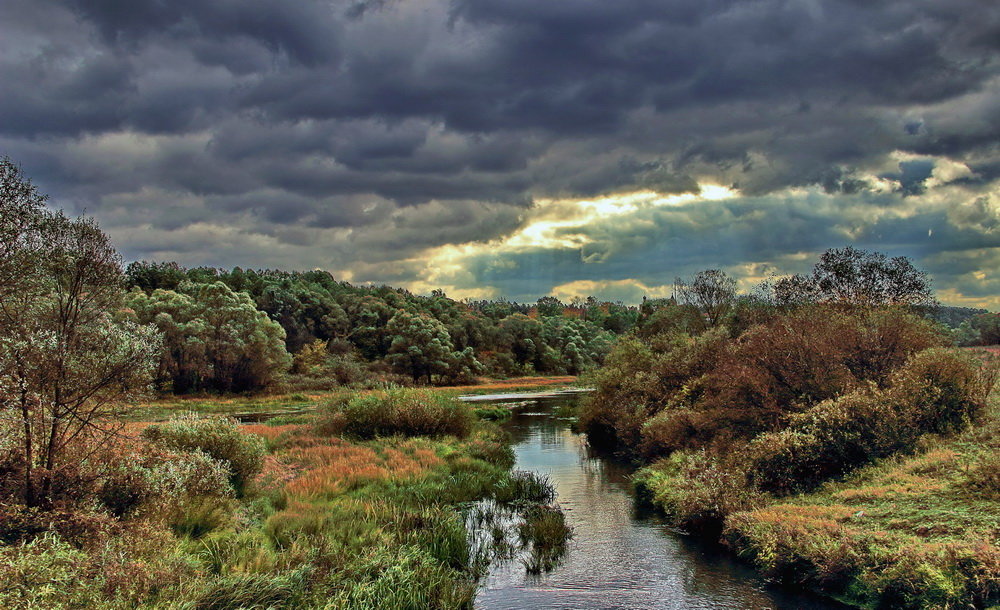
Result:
{"points": [[240, 329]]}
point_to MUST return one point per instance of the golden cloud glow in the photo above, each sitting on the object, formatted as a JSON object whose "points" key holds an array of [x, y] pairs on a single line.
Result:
{"points": [[553, 224], [630, 290], [551, 221]]}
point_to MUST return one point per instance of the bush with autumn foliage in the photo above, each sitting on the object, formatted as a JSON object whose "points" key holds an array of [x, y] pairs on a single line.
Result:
{"points": [[829, 434]]}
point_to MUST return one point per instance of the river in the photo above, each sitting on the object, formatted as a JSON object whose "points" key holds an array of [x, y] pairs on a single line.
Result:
{"points": [[621, 555]]}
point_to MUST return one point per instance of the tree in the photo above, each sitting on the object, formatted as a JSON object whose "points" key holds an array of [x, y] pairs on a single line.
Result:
{"points": [[420, 345], [68, 359], [852, 277], [549, 306], [711, 291], [215, 338]]}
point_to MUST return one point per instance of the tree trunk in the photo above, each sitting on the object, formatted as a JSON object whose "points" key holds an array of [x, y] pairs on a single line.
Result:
{"points": [[29, 457]]}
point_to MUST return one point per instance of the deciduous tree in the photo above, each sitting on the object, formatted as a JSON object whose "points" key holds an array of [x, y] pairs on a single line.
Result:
{"points": [[68, 359]]}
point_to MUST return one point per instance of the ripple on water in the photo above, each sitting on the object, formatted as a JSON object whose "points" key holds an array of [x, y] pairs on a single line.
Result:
{"points": [[620, 556]]}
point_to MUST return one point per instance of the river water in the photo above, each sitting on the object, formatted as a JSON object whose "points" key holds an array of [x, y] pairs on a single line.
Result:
{"points": [[621, 555]]}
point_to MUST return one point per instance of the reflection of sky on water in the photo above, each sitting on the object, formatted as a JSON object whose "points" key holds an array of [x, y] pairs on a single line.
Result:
{"points": [[620, 557]]}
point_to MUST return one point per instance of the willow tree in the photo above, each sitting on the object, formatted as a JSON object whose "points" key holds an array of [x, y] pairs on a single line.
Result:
{"points": [[214, 338], [68, 359]]}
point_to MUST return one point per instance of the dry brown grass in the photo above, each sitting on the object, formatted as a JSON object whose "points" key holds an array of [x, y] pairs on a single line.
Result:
{"points": [[517, 382], [272, 433], [338, 466]]}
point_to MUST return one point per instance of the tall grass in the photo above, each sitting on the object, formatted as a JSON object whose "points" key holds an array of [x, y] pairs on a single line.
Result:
{"points": [[408, 412], [545, 533]]}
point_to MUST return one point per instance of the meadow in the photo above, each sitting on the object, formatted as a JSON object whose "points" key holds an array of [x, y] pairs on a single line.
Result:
{"points": [[318, 510]]}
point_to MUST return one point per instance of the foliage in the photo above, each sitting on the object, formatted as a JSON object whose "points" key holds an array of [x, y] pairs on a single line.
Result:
{"points": [[855, 277], [937, 391], [214, 338], [218, 437], [422, 347], [545, 531], [135, 480], [353, 322], [697, 491], [524, 487], [674, 390], [409, 412], [67, 361]]}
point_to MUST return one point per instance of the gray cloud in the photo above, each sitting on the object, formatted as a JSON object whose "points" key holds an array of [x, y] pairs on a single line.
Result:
{"points": [[349, 130]]}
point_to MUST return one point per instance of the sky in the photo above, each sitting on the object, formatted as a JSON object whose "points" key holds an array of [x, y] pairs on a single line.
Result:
{"points": [[518, 148]]}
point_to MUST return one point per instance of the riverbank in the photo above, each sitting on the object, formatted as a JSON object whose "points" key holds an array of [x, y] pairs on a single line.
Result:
{"points": [[262, 406], [623, 554], [918, 531], [360, 504], [911, 531]]}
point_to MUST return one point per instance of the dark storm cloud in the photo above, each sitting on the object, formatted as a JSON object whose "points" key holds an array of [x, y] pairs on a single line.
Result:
{"points": [[327, 127]]}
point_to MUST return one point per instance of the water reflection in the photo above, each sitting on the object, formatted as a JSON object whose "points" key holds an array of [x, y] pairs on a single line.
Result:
{"points": [[621, 555]]}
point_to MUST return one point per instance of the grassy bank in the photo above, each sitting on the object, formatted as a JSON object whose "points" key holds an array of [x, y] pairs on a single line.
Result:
{"points": [[849, 449], [363, 504], [919, 529], [286, 404]]}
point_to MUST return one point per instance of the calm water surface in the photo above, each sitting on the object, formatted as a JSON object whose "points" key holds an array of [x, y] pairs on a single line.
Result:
{"points": [[621, 556]]}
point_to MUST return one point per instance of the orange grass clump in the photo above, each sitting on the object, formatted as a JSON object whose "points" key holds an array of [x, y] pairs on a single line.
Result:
{"points": [[271, 433], [340, 466]]}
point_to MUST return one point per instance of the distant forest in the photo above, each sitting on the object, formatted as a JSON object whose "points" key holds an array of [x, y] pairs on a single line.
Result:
{"points": [[243, 330]]}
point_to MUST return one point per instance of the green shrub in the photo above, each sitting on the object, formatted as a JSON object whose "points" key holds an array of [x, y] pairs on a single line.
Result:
{"points": [[827, 441], [220, 438], [936, 391], [943, 390], [545, 533], [410, 412], [696, 491], [142, 481]]}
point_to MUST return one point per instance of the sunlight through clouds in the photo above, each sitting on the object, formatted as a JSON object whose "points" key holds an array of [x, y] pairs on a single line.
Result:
{"points": [[552, 224]]}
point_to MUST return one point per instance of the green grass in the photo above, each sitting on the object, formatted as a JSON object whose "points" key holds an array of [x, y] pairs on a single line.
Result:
{"points": [[332, 521], [916, 531], [296, 404]]}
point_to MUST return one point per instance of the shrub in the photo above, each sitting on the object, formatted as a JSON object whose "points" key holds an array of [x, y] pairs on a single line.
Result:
{"points": [[545, 532], [22, 524], [409, 412], [220, 438], [640, 379], [944, 389], [936, 391], [697, 491], [984, 476], [661, 393]]}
